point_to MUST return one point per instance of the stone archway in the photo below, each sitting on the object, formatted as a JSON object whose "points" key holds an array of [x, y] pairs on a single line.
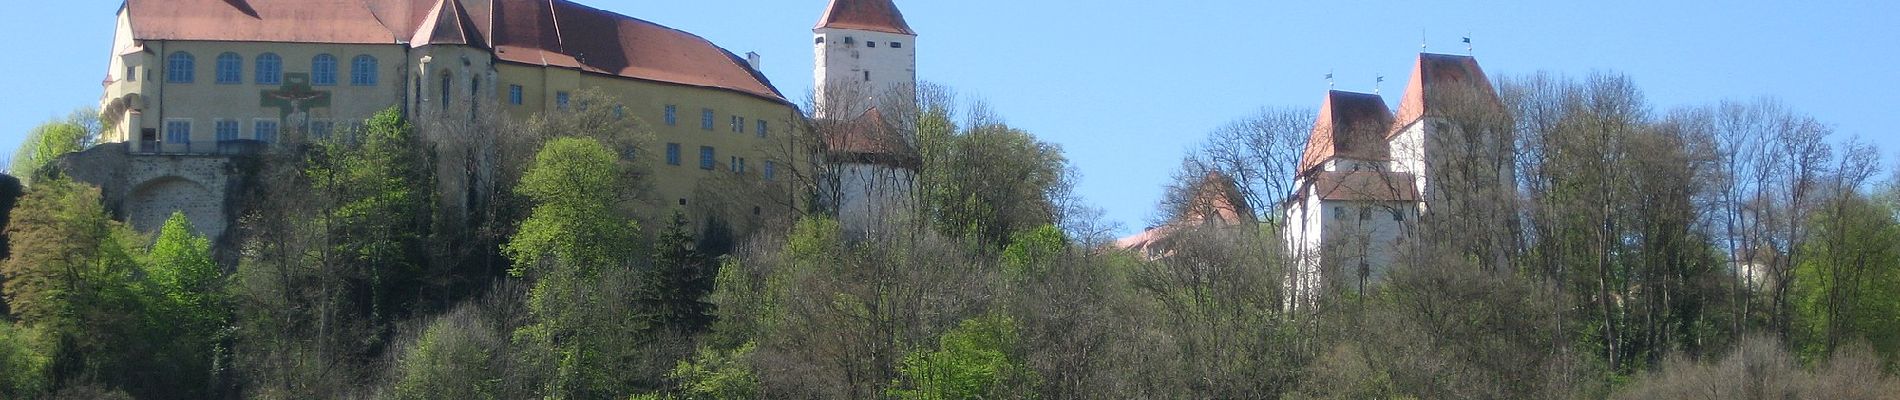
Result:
{"points": [[152, 202]]}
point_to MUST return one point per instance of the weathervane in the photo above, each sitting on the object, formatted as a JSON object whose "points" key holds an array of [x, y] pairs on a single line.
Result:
{"points": [[1467, 43], [1377, 84], [1329, 79], [1422, 41]]}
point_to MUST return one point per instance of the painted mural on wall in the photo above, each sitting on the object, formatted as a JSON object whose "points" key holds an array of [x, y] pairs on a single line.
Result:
{"points": [[295, 100]]}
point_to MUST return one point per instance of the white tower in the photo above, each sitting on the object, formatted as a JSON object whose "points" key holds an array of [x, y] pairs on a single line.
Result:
{"points": [[866, 57], [866, 69]]}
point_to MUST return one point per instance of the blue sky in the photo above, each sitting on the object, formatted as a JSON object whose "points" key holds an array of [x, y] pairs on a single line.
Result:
{"points": [[1127, 86]]}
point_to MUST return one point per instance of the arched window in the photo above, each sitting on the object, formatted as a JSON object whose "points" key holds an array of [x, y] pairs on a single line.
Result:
{"points": [[180, 67], [323, 70], [270, 69], [363, 71], [230, 69]]}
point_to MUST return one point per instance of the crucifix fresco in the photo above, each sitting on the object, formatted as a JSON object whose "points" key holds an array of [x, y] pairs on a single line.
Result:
{"points": [[294, 100]]}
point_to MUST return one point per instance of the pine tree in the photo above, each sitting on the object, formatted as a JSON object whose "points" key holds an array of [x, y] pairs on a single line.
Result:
{"points": [[674, 293]]}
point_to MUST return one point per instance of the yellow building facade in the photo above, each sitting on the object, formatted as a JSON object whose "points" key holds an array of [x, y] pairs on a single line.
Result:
{"points": [[209, 78]]}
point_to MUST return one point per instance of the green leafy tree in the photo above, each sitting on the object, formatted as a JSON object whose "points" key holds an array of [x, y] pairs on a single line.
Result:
{"points": [[715, 374], [577, 188], [53, 139], [376, 185], [577, 247], [25, 357], [1849, 287], [973, 361]]}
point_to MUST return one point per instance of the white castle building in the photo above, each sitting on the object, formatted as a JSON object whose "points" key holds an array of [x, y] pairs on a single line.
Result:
{"points": [[1367, 176]]}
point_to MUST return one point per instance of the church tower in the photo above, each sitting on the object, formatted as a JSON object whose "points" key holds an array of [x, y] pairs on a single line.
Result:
{"points": [[866, 56]]}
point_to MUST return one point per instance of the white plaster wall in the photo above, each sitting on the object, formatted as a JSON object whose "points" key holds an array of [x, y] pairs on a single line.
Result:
{"points": [[1408, 153], [841, 65], [873, 197]]}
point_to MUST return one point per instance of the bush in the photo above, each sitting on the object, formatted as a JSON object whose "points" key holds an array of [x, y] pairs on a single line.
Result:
{"points": [[1761, 368]]}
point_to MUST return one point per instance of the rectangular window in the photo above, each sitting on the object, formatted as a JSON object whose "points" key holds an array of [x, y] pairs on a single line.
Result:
{"points": [[706, 161], [706, 119], [514, 95], [227, 130], [742, 165], [672, 115], [867, 76], [897, 45], [620, 111], [871, 44], [673, 154], [560, 101], [771, 170], [762, 128], [322, 129], [131, 73], [738, 124], [266, 130], [178, 132]]}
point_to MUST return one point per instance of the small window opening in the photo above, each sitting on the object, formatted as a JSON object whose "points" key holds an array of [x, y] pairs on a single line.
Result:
{"points": [[849, 40], [820, 40], [897, 45], [870, 44]]}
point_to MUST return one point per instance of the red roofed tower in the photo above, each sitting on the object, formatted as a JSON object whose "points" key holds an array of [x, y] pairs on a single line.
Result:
{"points": [[866, 57]]}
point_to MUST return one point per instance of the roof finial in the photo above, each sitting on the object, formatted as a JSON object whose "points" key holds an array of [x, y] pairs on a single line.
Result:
{"points": [[1467, 43], [1377, 84], [1329, 79], [1422, 40]]}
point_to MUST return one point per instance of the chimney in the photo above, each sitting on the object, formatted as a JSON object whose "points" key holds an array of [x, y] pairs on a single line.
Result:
{"points": [[752, 58]]}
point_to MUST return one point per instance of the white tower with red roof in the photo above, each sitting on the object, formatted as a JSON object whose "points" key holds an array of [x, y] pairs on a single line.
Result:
{"points": [[866, 57], [865, 81]]}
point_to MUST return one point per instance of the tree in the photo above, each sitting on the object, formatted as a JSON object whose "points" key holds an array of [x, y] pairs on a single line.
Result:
{"points": [[575, 249], [675, 288], [1849, 290], [973, 361], [52, 139], [577, 190]]}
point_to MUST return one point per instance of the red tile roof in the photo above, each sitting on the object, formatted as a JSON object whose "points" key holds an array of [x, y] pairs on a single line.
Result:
{"points": [[866, 15], [1365, 186], [561, 33], [1435, 71], [1350, 125], [555, 33], [866, 139], [447, 23], [296, 21]]}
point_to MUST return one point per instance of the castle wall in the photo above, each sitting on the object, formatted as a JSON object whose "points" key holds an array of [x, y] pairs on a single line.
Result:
{"points": [[845, 56], [144, 190]]}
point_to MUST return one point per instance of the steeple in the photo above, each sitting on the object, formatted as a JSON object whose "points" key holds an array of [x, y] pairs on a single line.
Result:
{"points": [[865, 15]]}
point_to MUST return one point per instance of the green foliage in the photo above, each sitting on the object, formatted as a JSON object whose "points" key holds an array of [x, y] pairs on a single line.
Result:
{"points": [[53, 139], [1030, 253], [25, 357], [455, 358], [577, 189], [181, 267], [675, 289], [715, 374], [578, 248], [988, 181], [970, 362], [1849, 287]]}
